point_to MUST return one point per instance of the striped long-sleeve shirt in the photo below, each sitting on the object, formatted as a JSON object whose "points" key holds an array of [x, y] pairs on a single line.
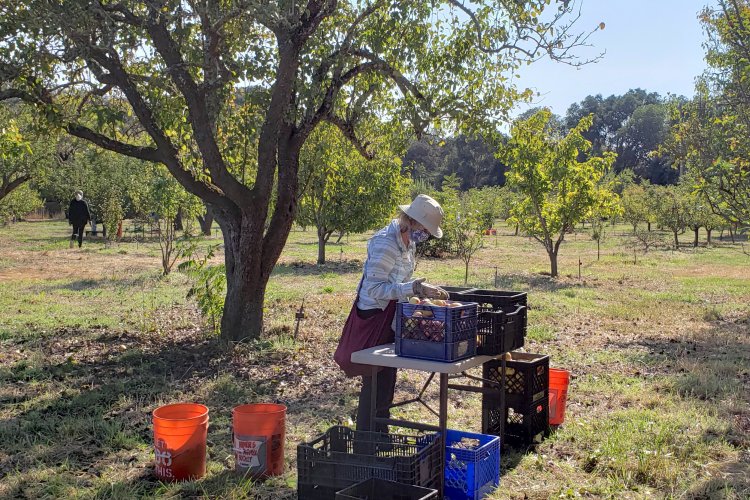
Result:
{"points": [[388, 269]]}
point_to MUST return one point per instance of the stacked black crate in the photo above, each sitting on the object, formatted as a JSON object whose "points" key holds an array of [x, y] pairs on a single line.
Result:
{"points": [[526, 410], [522, 414]]}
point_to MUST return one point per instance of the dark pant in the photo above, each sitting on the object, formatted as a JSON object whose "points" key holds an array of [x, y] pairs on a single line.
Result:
{"points": [[386, 386], [78, 231]]}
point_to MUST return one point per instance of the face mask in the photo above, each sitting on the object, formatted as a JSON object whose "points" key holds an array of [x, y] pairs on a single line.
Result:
{"points": [[79, 197], [419, 235]]}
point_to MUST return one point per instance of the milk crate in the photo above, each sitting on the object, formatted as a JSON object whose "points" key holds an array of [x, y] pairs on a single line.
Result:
{"points": [[503, 319], [438, 333], [526, 378], [471, 472], [343, 457], [522, 424]]}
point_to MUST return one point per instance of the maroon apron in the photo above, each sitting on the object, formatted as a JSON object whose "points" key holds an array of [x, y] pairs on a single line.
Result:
{"points": [[362, 333]]}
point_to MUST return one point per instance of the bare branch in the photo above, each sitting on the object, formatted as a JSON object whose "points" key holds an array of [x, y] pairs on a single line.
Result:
{"points": [[556, 47]]}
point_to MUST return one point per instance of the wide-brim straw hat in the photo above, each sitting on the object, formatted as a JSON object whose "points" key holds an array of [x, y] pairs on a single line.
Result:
{"points": [[427, 212]]}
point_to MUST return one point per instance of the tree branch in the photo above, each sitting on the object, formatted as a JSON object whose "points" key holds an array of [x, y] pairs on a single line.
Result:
{"points": [[347, 128], [8, 186], [197, 111]]}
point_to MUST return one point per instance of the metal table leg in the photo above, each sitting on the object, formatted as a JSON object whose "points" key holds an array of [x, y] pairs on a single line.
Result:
{"points": [[373, 398], [443, 424]]}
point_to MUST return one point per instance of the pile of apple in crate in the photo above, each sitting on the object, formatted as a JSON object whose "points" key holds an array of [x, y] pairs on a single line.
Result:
{"points": [[521, 398]]}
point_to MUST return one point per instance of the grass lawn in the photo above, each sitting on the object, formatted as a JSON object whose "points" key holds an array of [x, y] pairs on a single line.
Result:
{"points": [[92, 340]]}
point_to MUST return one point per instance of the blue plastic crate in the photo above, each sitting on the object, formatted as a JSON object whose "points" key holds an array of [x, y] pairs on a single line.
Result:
{"points": [[471, 473], [436, 323], [436, 351]]}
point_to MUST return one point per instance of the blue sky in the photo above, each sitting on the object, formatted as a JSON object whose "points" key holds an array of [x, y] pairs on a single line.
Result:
{"points": [[652, 44]]}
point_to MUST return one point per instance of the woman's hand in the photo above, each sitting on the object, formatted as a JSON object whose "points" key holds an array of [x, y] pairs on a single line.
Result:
{"points": [[422, 289]]}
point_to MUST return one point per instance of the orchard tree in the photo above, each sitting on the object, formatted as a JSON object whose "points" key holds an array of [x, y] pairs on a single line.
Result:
{"points": [[155, 80], [635, 205], [343, 192], [672, 210], [713, 130], [558, 189], [467, 229]]}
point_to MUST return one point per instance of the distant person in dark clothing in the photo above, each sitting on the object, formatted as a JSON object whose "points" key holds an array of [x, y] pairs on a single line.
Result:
{"points": [[78, 215]]}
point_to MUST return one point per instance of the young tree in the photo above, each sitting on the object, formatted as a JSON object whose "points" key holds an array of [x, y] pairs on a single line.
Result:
{"points": [[672, 210], [558, 191], [343, 192], [163, 199], [172, 69], [467, 231], [112, 212], [635, 205]]}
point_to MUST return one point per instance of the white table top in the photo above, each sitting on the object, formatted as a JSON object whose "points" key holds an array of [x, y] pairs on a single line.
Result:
{"points": [[385, 355]]}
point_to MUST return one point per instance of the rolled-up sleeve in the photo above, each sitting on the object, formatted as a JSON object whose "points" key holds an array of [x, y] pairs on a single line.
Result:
{"points": [[382, 255]]}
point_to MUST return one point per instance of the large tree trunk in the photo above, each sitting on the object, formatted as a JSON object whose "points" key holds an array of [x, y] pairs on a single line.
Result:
{"points": [[246, 281], [695, 240], [251, 251], [516, 233], [552, 263], [323, 236], [649, 226], [206, 221], [676, 240], [708, 236], [178, 226]]}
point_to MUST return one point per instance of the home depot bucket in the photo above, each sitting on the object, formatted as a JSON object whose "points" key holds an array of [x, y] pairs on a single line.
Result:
{"points": [[558, 394], [258, 433], [180, 441]]}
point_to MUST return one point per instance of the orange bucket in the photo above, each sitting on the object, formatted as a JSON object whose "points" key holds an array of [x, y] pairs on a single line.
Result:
{"points": [[180, 441], [258, 432], [558, 394]]}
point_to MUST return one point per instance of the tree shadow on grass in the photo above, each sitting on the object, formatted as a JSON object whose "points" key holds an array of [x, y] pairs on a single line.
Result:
{"points": [[300, 268], [139, 280], [81, 408]]}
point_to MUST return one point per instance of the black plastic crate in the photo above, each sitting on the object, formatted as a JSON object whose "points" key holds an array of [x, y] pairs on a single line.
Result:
{"points": [[494, 299], [455, 291], [343, 457], [500, 331], [526, 378], [436, 351], [522, 424], [378, 489], [504, 331]]}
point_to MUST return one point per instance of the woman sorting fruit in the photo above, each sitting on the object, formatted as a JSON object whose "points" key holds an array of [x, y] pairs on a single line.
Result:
{"points": [[387, 278]]}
